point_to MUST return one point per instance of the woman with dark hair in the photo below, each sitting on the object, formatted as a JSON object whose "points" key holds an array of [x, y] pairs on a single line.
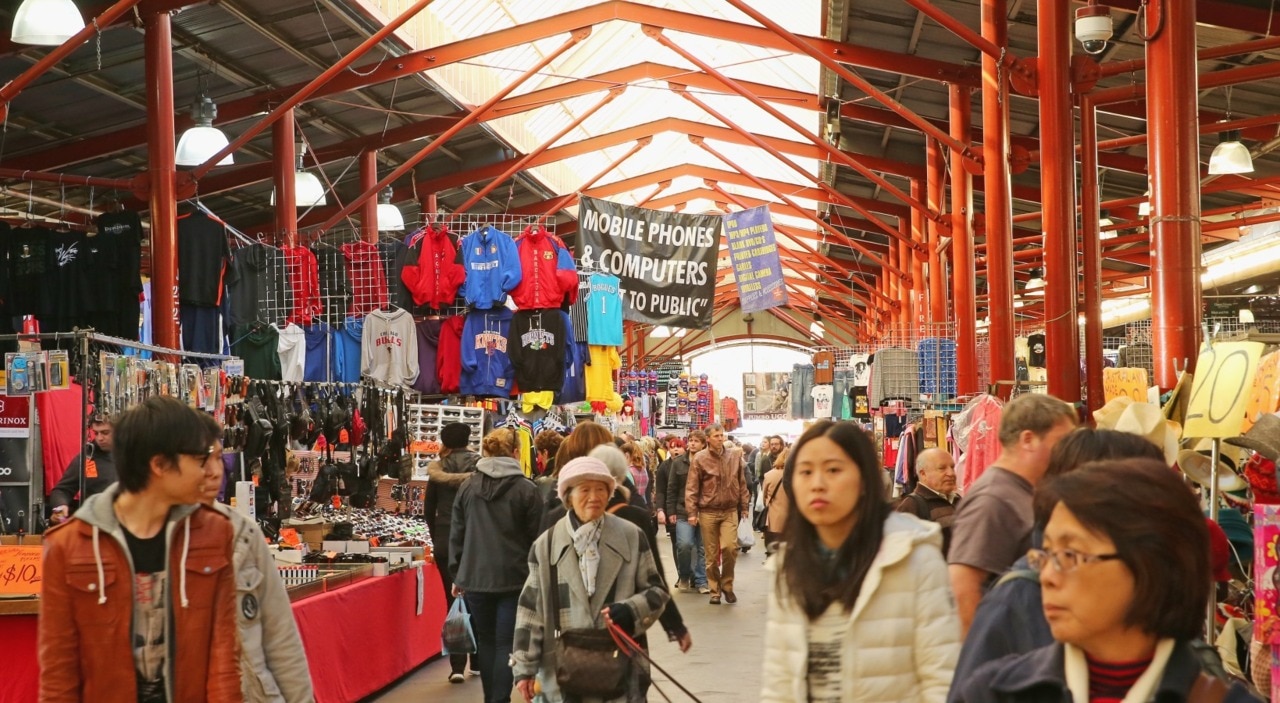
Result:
{"points": [[861, 608], [1125, 574], [1010, 618]]}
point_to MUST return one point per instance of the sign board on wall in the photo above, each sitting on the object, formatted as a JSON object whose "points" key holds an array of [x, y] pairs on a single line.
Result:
{"points": [[766, 395], [753, 253], [20, 570], [665, 261]]}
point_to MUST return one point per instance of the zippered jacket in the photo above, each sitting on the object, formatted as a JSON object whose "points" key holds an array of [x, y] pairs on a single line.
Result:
{"points": [[492, 267]]}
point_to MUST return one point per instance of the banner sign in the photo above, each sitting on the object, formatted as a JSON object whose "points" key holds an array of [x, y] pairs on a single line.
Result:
{"points": [[666, 261], [1222, 388], [753, 252]]}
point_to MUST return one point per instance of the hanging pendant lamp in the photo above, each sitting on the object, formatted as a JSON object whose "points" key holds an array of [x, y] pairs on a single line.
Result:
{"points": [[200, 142], [1230, 156], [389, 217], [46, 22], [308, 191]]}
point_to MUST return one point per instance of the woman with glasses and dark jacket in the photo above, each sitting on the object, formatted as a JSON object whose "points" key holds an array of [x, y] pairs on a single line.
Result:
{"points": [[1125, 575]]}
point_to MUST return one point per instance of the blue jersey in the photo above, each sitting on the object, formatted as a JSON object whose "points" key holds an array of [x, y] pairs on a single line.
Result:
{"points": [[486, 365], [604, 310], [347, 343], [492, 266]]}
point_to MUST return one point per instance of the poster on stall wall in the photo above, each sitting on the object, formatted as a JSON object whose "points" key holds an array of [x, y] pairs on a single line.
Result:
{"points": [[753, 253], [766, 396], [665, 261]]}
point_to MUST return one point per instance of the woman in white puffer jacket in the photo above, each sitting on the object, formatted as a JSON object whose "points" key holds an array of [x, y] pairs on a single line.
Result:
{"points": [[861, 609]]}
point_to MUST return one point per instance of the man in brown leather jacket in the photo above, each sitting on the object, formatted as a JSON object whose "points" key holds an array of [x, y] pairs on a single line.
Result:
{"points": [[716, 495], [138, 591]]}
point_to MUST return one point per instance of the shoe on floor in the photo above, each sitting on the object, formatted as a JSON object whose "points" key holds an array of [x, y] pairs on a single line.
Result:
{"points": [[703, 590], [682, 585], [715, 599], [730, 597], [457, 677], [472, 672]]}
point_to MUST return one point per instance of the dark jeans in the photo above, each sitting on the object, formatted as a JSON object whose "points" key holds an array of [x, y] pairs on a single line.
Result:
{"points": [[457, 662], [493, 619]]}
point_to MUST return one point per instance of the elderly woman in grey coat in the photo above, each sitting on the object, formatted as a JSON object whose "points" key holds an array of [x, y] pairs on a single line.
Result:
{"points": [[606, 573]]}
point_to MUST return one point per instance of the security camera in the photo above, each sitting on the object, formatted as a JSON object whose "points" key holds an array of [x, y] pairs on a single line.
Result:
{"points": [[1093, 27]]}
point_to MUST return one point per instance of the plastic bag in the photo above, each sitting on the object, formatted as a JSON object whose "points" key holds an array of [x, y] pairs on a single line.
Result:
{"points": [[759, 504], [457, 636], [746, 537]]}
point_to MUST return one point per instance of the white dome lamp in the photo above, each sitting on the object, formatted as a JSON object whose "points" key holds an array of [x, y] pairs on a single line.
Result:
{"points": [[308, 191], [1230, 156], [46, 22], [201, 141], [389, 217]]}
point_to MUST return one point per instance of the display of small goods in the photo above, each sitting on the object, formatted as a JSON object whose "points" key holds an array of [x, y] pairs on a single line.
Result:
{"points": [[687, 402], [125, 381], [36, 371]]}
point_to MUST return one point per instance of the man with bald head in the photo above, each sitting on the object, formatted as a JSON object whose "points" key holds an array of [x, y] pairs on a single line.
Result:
{"points": [[935, 496]]}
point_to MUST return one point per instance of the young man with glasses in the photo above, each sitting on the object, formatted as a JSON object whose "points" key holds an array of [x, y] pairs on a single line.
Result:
{"points": [[138, 592]]}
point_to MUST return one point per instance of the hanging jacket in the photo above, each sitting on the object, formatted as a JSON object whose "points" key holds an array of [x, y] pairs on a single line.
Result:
{"points": [[486, 363], [574, 389], [273, 666], [492, 267], [449, 354], [304, 278], [903, 636], [545, 280], [435, 277], [368, 278], [86, 613], [537, 346], [428, 382]]}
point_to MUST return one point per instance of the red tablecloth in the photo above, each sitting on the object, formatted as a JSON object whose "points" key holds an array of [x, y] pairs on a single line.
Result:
{"points": [[361, 638], [21, 678], [358, 639]]}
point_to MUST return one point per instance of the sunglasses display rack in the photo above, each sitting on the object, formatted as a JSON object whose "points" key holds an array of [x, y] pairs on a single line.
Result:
{"points": [[425, 423]]}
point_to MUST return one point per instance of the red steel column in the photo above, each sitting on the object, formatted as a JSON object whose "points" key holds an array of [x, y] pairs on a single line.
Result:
{"points": [[963, 285], [919, 290], [1091, 243], [1057, 188], [935, 175], [285, 160], [997, 194], [1172, 105], [161, 144], [369, 208]]}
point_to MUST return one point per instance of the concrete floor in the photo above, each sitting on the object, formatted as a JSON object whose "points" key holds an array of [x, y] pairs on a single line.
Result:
{"points": [[722, 667]]}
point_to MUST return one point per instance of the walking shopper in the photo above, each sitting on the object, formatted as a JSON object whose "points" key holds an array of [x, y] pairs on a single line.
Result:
{"points": [[604, 571], [585, 436], [934, 498], [447, 474], [716, 498], [495, 520], [546, 444], [1126, 578], [993, 524], [860, 609], [662, 496], [273, 665], [775, 503], [93, 467], [138, 603], [691, 560]]}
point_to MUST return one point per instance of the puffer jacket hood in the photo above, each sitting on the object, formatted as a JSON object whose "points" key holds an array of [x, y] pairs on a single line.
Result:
{"points": [[97, 511]]}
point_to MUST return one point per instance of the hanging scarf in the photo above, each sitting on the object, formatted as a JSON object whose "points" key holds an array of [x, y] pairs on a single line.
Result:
{"points": [[1077, 673], [586, 542]]}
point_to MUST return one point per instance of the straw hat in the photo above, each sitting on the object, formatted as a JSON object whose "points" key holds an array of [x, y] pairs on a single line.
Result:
{"points": [[1198, 468], [1144, 420], [1263, 437]]}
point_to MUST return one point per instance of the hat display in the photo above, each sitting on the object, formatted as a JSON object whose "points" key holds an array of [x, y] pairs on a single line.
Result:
{"points": [[1107, 415], [455, 435], [1199, 468], [1144, 420], [581, 470], [1263, 437]]}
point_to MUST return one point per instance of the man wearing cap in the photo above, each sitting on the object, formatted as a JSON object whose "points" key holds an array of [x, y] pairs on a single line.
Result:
{"points": [[455, 465], [94, 464]]}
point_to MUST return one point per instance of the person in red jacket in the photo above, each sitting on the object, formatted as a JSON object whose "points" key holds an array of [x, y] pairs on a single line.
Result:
{"points": [[549, 276]]}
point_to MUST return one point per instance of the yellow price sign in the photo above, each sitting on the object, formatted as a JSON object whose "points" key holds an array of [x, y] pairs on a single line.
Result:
{"points": [[20, 570], [1124, 382], [1265, 397], [1222, 389]]}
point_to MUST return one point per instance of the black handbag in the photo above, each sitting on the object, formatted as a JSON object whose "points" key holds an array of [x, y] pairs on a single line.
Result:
{"points": [[588, 662]]}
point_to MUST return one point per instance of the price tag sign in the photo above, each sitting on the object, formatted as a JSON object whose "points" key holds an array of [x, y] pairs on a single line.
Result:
{"points": [[20, 570], [1265, 397], [1222, 389], [1124, 382]]}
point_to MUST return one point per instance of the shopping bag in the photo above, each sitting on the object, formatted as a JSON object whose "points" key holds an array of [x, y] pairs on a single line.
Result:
{"points": [[746, 538], [457, 636], [759, 506]]}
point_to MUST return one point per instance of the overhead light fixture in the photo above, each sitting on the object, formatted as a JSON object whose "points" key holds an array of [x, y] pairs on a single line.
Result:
{"points": [[1246, 316], [308, 191], [1144, 207], [389, 217], [46, 22], [202, 141], [1230, 156], [816, 328], [1035, 283]]}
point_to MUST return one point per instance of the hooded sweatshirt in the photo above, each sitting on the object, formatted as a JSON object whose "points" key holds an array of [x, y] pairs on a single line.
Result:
{"points": [[88, 614], [495, 521]]}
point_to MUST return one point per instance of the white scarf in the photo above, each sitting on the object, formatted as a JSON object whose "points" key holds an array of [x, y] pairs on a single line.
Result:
{"points": [[1077, 671], [586, 542]]}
